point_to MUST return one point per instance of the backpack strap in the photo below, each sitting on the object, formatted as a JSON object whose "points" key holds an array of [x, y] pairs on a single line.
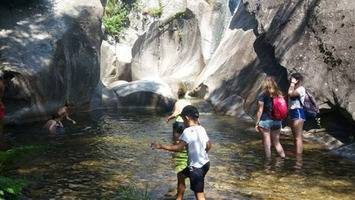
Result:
{"points": [[299, 99]]}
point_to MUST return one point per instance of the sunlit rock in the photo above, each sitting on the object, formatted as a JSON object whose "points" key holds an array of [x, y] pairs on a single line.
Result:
{"points": [[169, 51], [144, 93], [115, 63]]}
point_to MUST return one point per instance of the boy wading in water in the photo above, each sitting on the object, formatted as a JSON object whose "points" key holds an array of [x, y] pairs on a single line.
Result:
{"points": [[198, 144], [180, 158]]}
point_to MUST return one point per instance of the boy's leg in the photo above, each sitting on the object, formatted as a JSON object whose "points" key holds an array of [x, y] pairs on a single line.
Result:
{"points": [[181, 186], [200, 195], [197, 181]]}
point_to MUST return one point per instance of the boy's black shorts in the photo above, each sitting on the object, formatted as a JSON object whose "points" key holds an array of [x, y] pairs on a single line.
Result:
{"points": [[197, 177]]}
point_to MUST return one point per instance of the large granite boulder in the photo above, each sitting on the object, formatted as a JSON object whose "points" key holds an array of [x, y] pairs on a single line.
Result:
{"points": [[53, 46], [144, 93], [169, 51]]}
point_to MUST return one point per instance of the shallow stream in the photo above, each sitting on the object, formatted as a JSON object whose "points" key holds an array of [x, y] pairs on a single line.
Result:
{"points": [[111, 148]]}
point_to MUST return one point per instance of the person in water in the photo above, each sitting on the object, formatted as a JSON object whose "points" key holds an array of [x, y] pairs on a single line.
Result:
{"points": [[297, 94], [264, 124], [198, 144], [65, 111], [180, 158], [4, 82], [178, 125], [54, 126]]}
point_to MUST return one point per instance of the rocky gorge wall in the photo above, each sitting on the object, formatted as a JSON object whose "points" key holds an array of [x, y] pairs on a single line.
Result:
{"points": [[224, 48], [53, 48], [314, 38], [286, 36]]}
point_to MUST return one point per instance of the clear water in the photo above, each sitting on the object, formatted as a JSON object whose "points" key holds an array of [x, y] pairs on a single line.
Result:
{"points": [[111, 148]]}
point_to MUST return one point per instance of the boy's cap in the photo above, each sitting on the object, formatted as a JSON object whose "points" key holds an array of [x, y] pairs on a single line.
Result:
{"points": [[190, 111]]}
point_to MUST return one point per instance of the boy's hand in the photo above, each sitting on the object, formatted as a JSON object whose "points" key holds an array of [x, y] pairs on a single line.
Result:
{"points": [[155, 146]]}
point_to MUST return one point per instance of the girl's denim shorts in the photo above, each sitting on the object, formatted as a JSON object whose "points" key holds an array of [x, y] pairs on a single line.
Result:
{"points": [[270, 124]]}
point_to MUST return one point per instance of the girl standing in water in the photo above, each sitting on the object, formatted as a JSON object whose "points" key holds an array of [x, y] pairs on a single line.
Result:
{"points": [[268, 127], [297, 94]]}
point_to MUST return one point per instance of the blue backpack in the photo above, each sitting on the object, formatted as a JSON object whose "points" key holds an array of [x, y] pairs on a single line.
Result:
{"points": [[310, 106]]}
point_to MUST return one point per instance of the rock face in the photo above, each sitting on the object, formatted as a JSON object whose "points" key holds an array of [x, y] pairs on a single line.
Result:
{"points": [[277, 38], [169, 51], [315, 38], [172, 48], [225, 48], [53, 46]]}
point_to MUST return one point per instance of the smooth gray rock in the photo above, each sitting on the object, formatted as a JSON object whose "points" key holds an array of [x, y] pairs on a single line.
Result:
{"points": [[169, 52], [53, 46], [144, 93], [115, 63]]}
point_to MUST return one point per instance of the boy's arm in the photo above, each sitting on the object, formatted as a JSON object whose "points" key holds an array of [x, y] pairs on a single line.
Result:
{"points": [[170, 147], [173, 115], [70, 119], [208, 146]]}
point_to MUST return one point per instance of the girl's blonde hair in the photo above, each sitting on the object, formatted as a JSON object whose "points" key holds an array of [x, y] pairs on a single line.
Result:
{"points": [[270, 87]]}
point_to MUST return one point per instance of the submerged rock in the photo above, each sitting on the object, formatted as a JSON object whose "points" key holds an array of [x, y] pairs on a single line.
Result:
{"points": [[347, 151]]}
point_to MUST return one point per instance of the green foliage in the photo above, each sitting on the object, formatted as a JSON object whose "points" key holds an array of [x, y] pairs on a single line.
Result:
{"points": [[11, 188], [131, 192], [156, 12], [210, 1], [115, 17], [18, 155]]}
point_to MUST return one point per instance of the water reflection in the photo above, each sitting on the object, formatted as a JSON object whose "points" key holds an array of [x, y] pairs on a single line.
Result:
{"points": [[110, 148]]}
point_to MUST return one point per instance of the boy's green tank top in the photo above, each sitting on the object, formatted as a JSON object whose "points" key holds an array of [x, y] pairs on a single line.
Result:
{"points": [[180, 159], [179, 119]]}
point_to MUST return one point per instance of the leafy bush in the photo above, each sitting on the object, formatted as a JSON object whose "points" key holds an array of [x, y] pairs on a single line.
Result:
{"points": [[10, 188], [155, 12], [18, 155], [115, 17], [131, 192]]}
